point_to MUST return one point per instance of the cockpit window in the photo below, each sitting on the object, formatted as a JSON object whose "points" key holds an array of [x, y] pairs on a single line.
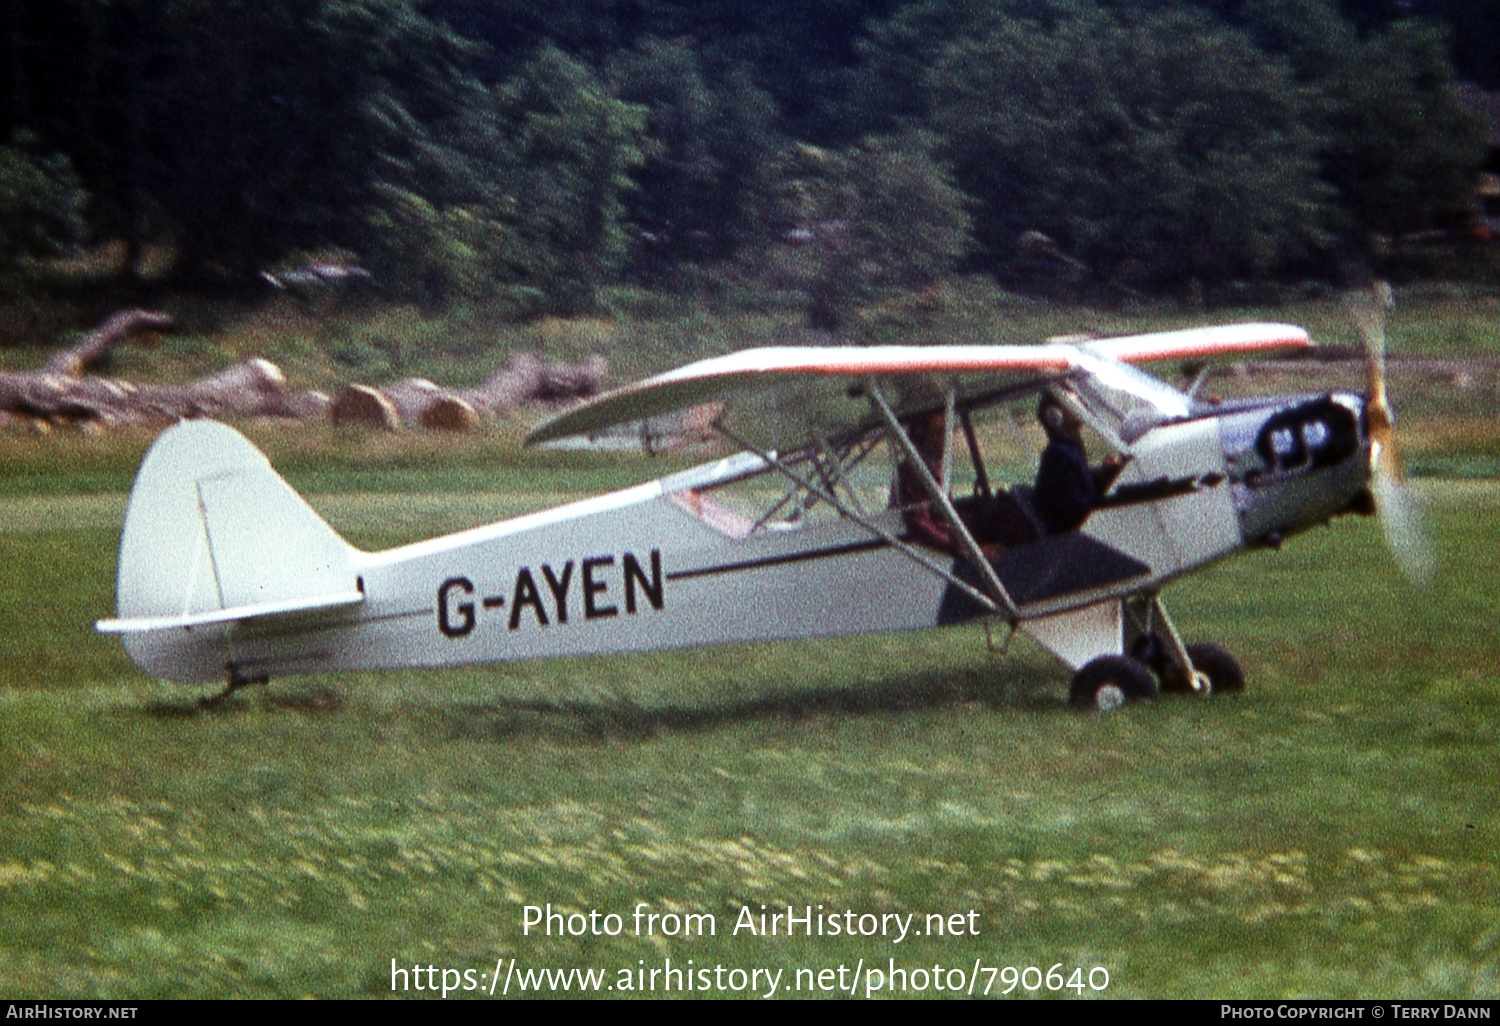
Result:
{"points": [[1122, 390], [1125, 401]]}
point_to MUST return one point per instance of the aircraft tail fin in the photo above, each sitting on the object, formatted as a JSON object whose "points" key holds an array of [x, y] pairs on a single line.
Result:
{"points": [[213, 538]]}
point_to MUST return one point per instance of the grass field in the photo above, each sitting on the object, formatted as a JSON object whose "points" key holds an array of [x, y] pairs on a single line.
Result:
{"points": [[1330, 833]]}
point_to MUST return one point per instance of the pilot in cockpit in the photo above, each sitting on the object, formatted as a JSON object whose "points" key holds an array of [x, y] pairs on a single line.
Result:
{"points": [[1067, 487]]}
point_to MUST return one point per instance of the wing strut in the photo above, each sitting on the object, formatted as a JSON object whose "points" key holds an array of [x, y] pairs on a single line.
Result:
{"points": [[845, 510], [844, 460], [939, 496]]}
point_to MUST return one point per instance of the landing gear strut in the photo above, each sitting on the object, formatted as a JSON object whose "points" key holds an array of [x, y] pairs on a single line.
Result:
{"points": [[1199, 669]]}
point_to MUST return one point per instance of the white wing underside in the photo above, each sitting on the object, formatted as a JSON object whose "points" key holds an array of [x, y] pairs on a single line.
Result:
{"points": [[787, 398]]}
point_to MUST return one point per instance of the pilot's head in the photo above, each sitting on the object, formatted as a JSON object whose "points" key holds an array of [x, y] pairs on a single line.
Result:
{"points": [[1056, 419]]}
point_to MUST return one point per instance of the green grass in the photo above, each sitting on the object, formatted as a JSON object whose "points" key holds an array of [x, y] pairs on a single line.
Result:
{"points": [[317, 458], [1330, 833]]}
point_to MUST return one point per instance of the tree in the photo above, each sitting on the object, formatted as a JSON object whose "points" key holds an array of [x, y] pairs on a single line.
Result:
{"points": [[704, 154], [1154, 147], [41, 202], [294, 106], [1406, 149], [568, 148], [895, 55], [1476, 48], [881, 213], [441, 253], [523, 188], [1400, 148], [236, 129]]}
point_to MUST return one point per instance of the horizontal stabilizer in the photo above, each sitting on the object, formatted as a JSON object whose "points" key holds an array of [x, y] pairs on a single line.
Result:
{"points": [[240, 614]]}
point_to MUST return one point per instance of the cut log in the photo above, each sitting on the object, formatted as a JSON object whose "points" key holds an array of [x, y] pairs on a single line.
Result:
{"points": [[564, 381], [255, 388], [421, 402], [93, 347], [417, 402], [57, 393], [61, 393], [509, 387], [363, 406]]}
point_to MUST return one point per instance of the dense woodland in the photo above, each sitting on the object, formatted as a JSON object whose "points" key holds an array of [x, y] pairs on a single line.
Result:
{"points": [[530, 156]]}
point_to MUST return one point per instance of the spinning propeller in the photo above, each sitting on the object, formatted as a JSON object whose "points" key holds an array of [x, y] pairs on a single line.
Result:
{"points": [[1400, 516]]}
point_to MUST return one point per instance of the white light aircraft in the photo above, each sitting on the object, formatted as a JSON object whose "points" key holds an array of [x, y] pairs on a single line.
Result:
{"points": [[226, 574]]}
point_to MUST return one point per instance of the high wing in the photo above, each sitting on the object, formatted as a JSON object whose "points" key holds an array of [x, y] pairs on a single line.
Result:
{"points": [[787, 398]]}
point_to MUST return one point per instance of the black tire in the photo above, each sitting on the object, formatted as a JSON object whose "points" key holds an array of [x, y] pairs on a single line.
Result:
{"points": [[1108, 682], [1222, 669], [1148, 649]]}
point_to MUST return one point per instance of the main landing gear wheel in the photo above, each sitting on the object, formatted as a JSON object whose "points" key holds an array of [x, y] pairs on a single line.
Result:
{"points": [[1222, 669], [1108, 682], [1219, 670]]}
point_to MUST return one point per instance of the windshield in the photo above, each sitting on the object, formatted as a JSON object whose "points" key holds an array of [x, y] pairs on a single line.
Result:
{"points": [[1124, 399]]}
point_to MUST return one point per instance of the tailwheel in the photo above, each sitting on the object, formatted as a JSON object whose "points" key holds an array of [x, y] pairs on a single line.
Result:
{"points": [[234, 680], [1108, 682]]}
